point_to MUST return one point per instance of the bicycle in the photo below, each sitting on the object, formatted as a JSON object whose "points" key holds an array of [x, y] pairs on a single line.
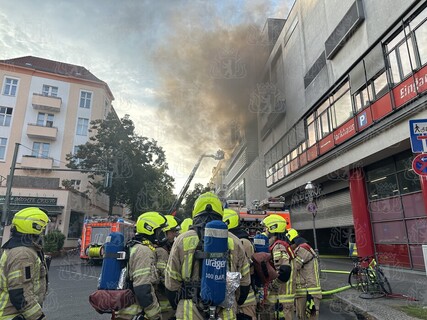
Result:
{"points": [[369, 278]]}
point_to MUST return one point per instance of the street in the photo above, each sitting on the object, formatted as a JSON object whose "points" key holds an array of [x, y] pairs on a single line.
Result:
{"points": [[71, 284]]}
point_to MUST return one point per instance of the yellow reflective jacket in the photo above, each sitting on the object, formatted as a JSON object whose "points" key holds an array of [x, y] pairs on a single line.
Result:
{"points": [[22, 268], [307, 271], [180, 269]]}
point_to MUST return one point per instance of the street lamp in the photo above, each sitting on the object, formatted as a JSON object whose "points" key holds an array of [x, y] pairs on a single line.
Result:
{"points": [[312, 208]]}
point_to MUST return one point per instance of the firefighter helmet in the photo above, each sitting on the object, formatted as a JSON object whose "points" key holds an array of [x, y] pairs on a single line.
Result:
{"points": [[231, 218], [172, 223], [30, 220], [274, 223], [208, 202], [292, 234], [148, 222], [185, 225]]}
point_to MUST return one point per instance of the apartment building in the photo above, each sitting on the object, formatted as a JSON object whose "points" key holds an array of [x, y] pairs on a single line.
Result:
{"points": [[45, 112], [341, 83]]}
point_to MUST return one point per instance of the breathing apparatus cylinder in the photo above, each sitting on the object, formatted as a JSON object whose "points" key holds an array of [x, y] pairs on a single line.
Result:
{"points": [[214, 266], [261, 243], [113, 261]]}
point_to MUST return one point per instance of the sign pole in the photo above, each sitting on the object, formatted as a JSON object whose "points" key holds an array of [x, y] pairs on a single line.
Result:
{"points": [[5, 211]]}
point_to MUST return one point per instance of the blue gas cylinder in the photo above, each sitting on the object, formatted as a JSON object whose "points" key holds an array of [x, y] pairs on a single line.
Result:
{"points": [[214, 268], [261, 243], [113, 261]]}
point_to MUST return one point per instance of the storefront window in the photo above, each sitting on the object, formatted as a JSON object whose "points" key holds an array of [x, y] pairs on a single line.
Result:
{"points": [[409, 181], [76, 225], [383, 187]]}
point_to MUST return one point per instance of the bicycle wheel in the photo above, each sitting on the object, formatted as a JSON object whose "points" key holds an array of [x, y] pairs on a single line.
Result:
{"points": [[364, 281], [383, 282], [352, 279]]}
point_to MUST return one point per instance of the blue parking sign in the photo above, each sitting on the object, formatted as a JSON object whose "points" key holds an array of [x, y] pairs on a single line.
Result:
{"points": [[418, 135]]}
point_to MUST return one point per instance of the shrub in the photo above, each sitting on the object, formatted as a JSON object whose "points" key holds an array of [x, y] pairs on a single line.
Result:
{"points": [[54, 241]]}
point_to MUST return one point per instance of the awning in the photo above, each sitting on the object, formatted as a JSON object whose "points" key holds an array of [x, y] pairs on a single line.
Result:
{"points": [[52, 210]]}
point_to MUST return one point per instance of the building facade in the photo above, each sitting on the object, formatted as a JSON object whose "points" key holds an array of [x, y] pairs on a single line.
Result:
{"points": [[45, 112], [340, 85]]}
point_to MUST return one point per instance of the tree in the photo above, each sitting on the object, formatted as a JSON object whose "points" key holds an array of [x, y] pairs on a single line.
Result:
{"points": [[137, 164], [190, 198]]}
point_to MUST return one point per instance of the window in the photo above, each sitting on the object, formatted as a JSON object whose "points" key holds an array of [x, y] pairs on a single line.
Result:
{"points": [[10, 87], [419, 25], [380, 86], [85, 99], [75, 184], [361, 99], [3, 142], [40, 149], [50, 91], [311, 131], [82, 126], [45, 119], [342, 108], [5, 116]]}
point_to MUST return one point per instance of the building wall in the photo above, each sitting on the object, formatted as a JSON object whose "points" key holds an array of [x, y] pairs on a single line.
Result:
{"points": [[69, 89]]}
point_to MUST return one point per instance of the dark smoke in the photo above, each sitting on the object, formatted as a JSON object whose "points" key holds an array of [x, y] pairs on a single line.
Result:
{"points": [[209, 66]]}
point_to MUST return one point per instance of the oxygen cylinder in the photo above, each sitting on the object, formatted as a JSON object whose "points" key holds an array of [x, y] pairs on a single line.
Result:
{"points": [[214, 267], [261, 243], [113, 261]]}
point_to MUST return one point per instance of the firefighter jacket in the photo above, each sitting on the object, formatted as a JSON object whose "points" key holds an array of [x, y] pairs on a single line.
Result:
{"points": [[282, 292], [307, 271], [183, 274], [143, 276], [23, 279], [249, 251], [162, 256]]}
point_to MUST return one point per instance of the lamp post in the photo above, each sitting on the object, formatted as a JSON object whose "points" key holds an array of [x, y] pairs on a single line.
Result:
{"points": [[312, 208]]}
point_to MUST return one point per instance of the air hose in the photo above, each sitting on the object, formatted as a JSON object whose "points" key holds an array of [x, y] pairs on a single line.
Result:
{"points": [[329, 292]]}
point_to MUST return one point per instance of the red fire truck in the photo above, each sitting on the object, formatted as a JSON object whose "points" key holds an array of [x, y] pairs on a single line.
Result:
{"points": [[250, 219], [96, 230]]}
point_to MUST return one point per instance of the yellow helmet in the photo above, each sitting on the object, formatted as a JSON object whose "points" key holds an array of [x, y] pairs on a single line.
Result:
{"points": [[208, 202], [30, 220], [172, 223], [148, 222], [231, 218], [186, 224], [292, 234], [274, 223]]}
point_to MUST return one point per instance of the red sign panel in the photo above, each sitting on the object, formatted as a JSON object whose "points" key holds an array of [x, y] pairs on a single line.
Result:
{"points": [[408, 89], [294, 165], [381, 107], [419, 164], [303, 159], [364, 119], [326, 144], [312, 153], [346, 131]]}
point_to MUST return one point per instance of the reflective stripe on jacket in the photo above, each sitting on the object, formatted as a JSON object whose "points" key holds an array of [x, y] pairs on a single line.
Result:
{"points": [[180, 265], [21, 268], [308, 272]]}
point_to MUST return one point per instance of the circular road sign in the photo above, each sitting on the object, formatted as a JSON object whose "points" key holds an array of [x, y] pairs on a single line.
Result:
{"points": [[419, 164], [311, 207]]}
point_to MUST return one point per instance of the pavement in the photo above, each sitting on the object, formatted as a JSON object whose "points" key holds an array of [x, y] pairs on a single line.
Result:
{"points": [[409, 288]]}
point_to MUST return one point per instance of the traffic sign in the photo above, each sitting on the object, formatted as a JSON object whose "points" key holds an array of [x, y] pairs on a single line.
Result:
{"points": [[419, 164], [418, 135], [311, 207]]}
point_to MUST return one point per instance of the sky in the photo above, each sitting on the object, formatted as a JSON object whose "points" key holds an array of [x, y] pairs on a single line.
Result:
{"points": [[182, 69]]}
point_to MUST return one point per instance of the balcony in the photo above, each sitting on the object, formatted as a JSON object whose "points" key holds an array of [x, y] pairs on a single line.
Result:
{"points": [[46, 103], [41, 132], [32, 162]]}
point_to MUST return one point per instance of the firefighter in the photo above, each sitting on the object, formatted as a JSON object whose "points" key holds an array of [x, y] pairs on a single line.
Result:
{"points": [[185, 225], [162, 255], [23, 267], [182, 278], [232, 219], [308, 290], [281, 294], [142, 269]]}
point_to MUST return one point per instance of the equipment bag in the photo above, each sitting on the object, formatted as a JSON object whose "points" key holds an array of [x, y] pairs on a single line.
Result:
{"points": [[108, 301], [264, 268]]}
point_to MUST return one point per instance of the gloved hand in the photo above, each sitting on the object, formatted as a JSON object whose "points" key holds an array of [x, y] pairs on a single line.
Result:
{"points": [[284, 273]]}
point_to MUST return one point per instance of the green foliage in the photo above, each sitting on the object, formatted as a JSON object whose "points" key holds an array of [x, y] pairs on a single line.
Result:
{"points": [[54, 241], [138, 166], [416, 311]]}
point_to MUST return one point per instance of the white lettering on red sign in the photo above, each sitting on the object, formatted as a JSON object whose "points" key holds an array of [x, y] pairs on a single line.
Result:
{"points": [[410, 88]]}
